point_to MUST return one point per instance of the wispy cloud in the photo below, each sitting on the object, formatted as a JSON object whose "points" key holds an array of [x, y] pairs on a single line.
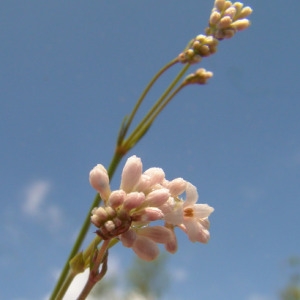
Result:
{"points": [[36, 206], [35, 197], [179, 275], [258, 297]]}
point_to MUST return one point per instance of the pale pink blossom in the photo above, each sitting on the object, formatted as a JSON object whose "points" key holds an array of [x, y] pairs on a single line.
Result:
{"points": [[195, 216], [192, 218], [143, 198]]}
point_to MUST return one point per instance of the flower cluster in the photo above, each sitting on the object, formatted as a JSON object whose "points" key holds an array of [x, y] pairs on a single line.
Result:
{"points": [[145, 197], [227, 18], [199, 77], [201, 46]]}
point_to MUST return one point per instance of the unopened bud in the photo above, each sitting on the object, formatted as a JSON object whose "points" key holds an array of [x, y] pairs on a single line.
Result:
{"points": [[131, 174], [99, 180], [240, 24]]}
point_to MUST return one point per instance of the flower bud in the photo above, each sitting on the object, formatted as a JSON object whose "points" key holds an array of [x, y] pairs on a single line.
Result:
{"points": [[157, 197], [116, 198], [176, 186], [245, 12], [240, 24], [148, 214], [225, 22], [156, 175], [133, 200], [99, 180], [219, 4], [131, 174]]}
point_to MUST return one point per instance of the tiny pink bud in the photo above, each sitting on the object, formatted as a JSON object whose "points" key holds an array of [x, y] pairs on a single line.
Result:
{"points": [[100, 212], [230, 12], [133, 200], [116, 198], [214, 18], [148, 214], [99, 180], [110, 225], [225, 22], [157, 197], [131, 174], [219, 4], [157, 175], [246, 11], [176, 186], [240, 24]]}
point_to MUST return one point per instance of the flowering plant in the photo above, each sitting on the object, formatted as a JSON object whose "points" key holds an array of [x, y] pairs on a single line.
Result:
{"points": [[127, 214]]}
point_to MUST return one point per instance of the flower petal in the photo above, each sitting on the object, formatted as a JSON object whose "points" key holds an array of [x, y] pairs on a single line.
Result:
{"points": [[158, 234], [196, 232], [128, 238], [202, 210], [145, 248], [191, 195]]}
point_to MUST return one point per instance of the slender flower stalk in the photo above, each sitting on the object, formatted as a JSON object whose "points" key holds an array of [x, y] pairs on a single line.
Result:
{"points": [[127, 122], [160, 104]]}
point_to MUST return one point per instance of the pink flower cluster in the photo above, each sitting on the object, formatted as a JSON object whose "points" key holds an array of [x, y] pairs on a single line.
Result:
{"points": [[145, 197]]}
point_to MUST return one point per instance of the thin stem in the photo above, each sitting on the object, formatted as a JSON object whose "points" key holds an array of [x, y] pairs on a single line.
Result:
{"points": [[95, 276], [136, 134], [84, 229], [145, 92], [65, 285], [161, 107]]}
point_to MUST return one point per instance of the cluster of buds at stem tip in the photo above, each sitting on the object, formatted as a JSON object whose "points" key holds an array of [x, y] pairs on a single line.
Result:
{"points": [[225, 20], [143, 198], [199, 77]]}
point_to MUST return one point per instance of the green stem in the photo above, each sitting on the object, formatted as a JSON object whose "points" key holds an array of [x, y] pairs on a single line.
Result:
{"points": [[84, 229], [65, 285], [94, 275], [145, 92], [157, 112], [137, 133]]}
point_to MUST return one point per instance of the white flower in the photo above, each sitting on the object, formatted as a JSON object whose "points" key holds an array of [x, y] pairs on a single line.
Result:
{"points": [[195, 216], [192, 218]]}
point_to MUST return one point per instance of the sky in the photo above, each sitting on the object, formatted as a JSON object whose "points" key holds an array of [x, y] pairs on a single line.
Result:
{"points": [[71, 70]]}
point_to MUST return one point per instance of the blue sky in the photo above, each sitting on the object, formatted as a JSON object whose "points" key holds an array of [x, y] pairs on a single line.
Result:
{"points": [[71, 70]]}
